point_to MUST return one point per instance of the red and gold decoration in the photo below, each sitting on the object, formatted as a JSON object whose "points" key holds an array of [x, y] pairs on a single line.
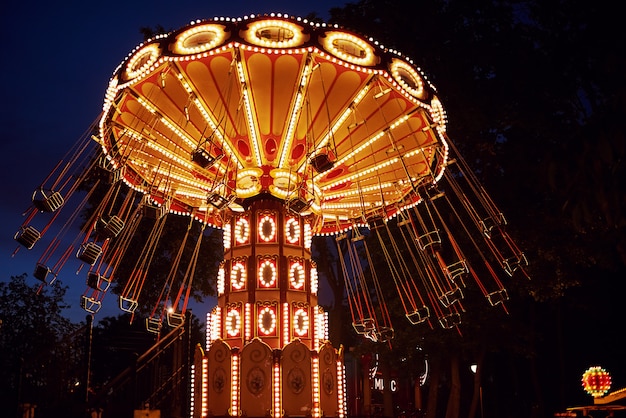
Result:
{"points": [[596, 381]]}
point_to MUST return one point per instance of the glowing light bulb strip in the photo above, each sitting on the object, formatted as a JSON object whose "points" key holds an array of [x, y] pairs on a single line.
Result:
{"points": [[209, 330], [250, 115], [341, 390], [248, 321], [359, 191], [192, 389], [238, 276], [226, 237], [280, 25], [277, 406], [314, 279], [363, 173], [205, 387], [315, 366], [221, 280], [308, 235], [286, 338], [292, 231], [234, 391]]}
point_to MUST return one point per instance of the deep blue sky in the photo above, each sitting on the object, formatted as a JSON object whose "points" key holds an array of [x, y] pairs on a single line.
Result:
{"points": [[56, 63]]}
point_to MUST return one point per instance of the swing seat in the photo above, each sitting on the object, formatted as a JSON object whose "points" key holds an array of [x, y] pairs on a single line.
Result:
{"points": [[108, 173], [361, 326], [219, 201], [47, 201], [419, 315], [175, 319], [371, 335], [127, 304], [90, 304], [513, 263], [98, 282], [42, 272], [456, 272], [202, 157], [488, 224], [297, 205], [89, 253], [451, 296], [385, 334], [429, 239], [153, 210], [497, 297], [109, 226], [322, 163], [27, 236], [153, 325], [450, 321]]}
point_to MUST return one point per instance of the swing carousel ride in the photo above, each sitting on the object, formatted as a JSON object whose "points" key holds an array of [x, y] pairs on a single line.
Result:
{"points": [[274, 129]]}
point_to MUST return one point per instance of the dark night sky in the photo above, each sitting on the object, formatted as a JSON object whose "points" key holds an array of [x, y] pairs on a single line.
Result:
{"points": [[57, 61]]}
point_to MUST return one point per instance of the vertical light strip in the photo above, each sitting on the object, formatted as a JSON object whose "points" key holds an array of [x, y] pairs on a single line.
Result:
{"points": [[314, 278], [247, 320], [245, 95], [205, 387], [277, 409], [316, 385], [192, 389], [341, 390], [208, 333], [318, 328], [285, 324], [325, 316], [234, 390], [308, 235]]}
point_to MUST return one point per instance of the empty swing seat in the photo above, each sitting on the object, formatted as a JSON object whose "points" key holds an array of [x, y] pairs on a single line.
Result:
{"points": [[297, 205], [109, 226], [322, 163], [108, 173], [218, 201], [89, 253], [90, 304], [27, 236], [47, 201], [127, 304], [361, 326], [153, 210], [488, 224], [153, 325], [385, 334], [429, 239], [450, 321], [451, 296], [42, 272], [456, 271], [419, 315], [203, 158], [513, 263], [98, 282], [175, 319], [499, 296]]}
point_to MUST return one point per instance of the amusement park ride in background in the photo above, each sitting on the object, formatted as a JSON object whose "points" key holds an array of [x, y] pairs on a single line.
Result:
{"points": [[275, 129]]}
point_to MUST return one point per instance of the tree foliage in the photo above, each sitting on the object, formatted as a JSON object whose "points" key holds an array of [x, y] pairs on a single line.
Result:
{"points": [[41, 349]]}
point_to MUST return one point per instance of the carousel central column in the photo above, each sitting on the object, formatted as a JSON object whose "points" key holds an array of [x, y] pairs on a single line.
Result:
{"points": [[267, 352]]}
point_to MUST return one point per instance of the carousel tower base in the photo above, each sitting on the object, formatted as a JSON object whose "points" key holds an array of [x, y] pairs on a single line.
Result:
{"points": [[267, 351]]}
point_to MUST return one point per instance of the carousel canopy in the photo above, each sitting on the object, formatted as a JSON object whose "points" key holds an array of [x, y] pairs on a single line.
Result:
{"points": [[222, 111]]}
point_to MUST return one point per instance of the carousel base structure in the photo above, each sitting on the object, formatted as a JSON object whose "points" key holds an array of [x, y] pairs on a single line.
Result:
{"points": [[257, 381]]}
